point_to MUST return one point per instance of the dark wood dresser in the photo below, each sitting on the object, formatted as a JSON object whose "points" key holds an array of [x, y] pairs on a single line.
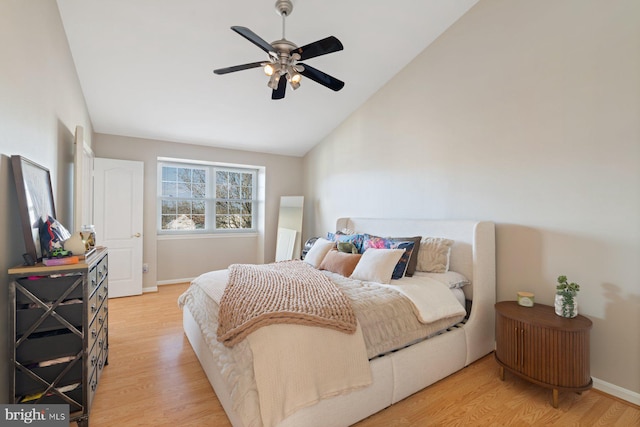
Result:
{"points": [[542, 347]]}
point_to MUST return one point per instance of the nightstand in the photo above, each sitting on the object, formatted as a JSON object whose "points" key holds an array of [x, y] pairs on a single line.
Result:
{"points": [[538, 345]]}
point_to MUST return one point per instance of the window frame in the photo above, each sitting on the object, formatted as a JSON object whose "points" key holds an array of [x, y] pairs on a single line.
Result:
{"points": [[210, 198]]}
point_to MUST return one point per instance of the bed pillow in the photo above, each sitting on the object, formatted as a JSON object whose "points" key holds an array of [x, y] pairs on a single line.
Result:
{"points": [[392, 243], [452, 279], [413, 256], [318, 251], [355, 239], [347, 247], [377, 265], [340, 262], [434, 255]]}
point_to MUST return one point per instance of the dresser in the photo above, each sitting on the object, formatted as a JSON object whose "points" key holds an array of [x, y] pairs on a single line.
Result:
{"points": [[58, 319], [542, 347]]}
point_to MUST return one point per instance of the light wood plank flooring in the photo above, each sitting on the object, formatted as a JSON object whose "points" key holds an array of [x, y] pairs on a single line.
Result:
{"points": [[154, 379]]}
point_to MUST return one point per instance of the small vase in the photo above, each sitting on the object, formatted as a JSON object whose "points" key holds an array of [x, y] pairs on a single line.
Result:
{"points": [[564, 309], [75, 244]]}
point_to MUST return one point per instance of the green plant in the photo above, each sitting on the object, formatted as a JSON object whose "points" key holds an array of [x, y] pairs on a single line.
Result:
{"points": [[568, 292]]}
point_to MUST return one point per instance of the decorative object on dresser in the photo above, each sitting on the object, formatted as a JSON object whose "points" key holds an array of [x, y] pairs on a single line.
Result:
{"points": [[526, 299], [565, 301], [35, 201], [59, 333], [543, 348]]}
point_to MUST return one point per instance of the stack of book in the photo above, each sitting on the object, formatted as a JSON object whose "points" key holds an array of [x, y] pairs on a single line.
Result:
{"points": [[61, 261]]}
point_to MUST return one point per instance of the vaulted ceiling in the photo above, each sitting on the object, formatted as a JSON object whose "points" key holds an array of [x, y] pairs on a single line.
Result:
{"points": [[145, 66]]}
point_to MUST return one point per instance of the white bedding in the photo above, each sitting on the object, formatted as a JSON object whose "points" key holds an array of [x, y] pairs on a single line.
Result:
{"points": [[433, 300], [329, 364]]}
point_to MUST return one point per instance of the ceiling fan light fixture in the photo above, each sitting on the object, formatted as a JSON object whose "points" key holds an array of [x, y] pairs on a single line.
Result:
{"points": [[269, 69], [274, 80], [294, 80]]}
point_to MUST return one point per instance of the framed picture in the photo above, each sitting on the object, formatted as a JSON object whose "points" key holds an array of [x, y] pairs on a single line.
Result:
{"points": [[35, 200]]}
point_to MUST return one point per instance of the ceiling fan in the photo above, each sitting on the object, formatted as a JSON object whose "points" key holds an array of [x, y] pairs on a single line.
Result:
{"points": [[283, 65]]}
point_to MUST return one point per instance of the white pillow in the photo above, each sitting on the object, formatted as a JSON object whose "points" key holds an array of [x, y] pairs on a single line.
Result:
{"points": [[376, 265], [318, 251], [433, 256], [452, 279]]}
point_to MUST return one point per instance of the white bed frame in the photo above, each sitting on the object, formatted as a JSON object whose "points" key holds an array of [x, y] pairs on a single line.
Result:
{"points": [[404, 372]]}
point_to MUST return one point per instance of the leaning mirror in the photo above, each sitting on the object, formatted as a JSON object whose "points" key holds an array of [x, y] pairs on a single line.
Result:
{"points": [[289, 228], [35, 200]]}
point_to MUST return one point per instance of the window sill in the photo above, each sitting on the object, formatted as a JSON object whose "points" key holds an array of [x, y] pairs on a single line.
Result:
{"points": [[193, 236]]}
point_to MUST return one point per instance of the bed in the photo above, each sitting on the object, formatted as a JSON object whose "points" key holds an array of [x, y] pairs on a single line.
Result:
{"points": [[399, 373]]}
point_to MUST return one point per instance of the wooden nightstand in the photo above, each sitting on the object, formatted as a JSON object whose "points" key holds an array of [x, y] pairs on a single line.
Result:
{"points": [[542, 347]]}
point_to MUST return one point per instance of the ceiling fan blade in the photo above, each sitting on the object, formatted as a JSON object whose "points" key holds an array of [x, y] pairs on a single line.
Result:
{"points": [[323, 78], [238, 68], [321, 47], [282, 87], [255, 39]]}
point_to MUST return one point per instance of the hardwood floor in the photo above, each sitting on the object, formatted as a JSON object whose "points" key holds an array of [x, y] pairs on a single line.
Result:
{"points": [[154, 379]]}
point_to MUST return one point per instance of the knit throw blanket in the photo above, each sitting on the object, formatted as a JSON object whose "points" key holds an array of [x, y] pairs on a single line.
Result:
{"points": [[282, 292]]}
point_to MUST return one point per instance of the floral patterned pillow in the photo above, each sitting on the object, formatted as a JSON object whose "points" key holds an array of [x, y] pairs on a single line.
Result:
{"points": [[388, 243]]}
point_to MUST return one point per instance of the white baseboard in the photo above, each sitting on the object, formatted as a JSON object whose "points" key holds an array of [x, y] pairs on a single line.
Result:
{"points": [[165, 282], [619, 392], [174, 281]]}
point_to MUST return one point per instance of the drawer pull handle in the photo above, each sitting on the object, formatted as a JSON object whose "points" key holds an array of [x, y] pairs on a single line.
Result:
{"points": [[93, 361]]}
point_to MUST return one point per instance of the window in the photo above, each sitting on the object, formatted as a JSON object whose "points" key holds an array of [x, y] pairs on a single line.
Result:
{"points": [[205, 198]]}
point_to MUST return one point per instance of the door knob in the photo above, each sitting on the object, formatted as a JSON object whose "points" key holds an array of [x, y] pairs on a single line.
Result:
{"points": [[137, 235]]}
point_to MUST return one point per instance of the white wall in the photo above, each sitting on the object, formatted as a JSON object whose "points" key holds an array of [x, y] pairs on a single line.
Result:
{"points": [[41, 103], [526, 113], [176, 259]]}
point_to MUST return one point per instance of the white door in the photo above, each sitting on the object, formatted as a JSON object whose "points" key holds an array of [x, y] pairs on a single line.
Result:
{"points": [[118, 189]]}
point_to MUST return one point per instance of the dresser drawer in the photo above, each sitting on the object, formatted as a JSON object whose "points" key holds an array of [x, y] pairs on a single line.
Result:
{"points": [[26, 317], [27, 385], [92, 385], [40, 349], [103, 269], [54, 399], [49, 289]]}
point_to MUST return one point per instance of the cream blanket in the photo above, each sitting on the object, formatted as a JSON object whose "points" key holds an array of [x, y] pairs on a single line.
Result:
{"points": [[320, 362]]}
